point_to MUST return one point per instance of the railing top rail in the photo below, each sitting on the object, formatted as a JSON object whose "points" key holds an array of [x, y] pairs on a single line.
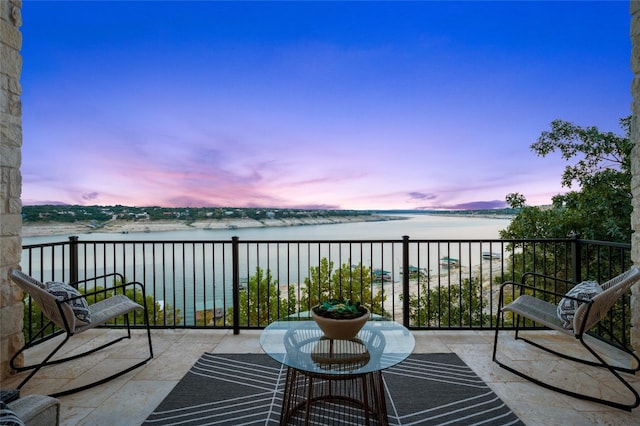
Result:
{"points": [[606, 243], [38, 245], [336, 241]]}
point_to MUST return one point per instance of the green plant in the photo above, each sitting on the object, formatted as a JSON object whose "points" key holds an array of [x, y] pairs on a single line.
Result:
{"points": [[340, 309], [263, 302], [346, 282], [454, 305]]}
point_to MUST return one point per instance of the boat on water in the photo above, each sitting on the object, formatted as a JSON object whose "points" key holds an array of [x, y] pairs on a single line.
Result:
{"points": [[449, 262], [380, 275], [415, 272], [491, 255]]}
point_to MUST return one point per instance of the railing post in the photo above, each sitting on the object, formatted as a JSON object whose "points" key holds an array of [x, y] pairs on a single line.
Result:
{"points": [[576, 258], [235, 258], [405, 281], [73, 259]]}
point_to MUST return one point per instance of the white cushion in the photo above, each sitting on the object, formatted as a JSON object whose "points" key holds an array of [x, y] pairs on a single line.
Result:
{"points": [[63, 291], [567, 307]]}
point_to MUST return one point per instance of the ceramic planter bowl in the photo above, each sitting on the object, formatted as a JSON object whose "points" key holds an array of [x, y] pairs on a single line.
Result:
{"points": [[340, 328]]}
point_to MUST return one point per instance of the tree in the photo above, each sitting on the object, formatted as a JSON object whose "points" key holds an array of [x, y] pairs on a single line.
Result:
{"points": [[454, 305], [163, 315], [600, 209], [262, 301], [348, 282], [597, 207]]}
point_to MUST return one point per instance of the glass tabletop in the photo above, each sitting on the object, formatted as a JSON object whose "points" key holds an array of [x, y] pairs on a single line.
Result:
{"points": [[297, 342]]}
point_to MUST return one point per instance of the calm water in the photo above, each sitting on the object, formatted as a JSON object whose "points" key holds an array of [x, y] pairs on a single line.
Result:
{"points": [[414, 226], [213, 289]]}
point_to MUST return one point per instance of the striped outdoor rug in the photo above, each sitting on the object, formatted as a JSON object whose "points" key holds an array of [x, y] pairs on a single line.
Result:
{"points": [[246, 389]]}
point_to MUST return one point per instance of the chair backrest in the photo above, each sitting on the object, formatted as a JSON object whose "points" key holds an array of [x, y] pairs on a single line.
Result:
{"points": [[613, 290], [45, 300]]}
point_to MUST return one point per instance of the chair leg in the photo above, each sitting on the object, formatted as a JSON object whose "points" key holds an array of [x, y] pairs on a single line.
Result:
{"points": [[602, 363], [35, 368], [47, 361], [120, 372], [147, 326], [613, 370], [99, 382], [65, 359], [26, 346]]}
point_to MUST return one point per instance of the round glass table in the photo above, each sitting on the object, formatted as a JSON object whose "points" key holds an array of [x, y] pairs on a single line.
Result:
{"points": [[331, 381]]}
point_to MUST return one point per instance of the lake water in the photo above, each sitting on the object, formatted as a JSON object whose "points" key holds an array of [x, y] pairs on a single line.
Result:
{"points": [[194, 279], [417, 226]]}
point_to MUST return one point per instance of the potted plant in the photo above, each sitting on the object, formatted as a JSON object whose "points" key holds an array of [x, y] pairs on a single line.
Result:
{"points": [[340, 318]]}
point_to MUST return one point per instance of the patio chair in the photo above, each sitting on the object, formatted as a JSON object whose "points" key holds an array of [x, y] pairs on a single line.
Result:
{"points": [[64, 306], [588, 314]]}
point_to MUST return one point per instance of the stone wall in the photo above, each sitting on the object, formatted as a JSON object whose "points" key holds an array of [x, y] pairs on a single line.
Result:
{"points": [[11, 308]]}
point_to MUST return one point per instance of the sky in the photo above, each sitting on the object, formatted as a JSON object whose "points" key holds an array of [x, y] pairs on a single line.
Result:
{"points": [[314, 105]]}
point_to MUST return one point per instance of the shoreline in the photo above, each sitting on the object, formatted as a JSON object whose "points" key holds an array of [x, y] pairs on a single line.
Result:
{"points": [[130, 226]]}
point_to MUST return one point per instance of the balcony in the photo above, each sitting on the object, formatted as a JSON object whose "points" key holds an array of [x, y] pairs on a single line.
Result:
{"points": [[187, 279], [423, 284], [134, 396]]}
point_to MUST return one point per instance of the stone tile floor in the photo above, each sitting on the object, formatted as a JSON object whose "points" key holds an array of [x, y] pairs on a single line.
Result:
{"points": [[128, 400]]}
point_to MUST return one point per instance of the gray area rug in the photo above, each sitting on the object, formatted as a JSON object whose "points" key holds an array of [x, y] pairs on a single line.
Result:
{"points": [[246, 389]]}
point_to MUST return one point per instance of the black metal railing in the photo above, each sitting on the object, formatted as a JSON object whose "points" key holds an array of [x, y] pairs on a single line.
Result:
{"points": [[243, 284]]}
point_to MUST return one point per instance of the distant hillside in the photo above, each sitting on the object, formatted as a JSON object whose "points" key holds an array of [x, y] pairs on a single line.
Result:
{"points": [[75, 213], [482, 212], [99, 214]]}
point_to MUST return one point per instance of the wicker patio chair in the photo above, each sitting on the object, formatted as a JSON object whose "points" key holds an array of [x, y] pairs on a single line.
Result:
{"points": [[588, 314], [72, 314]]}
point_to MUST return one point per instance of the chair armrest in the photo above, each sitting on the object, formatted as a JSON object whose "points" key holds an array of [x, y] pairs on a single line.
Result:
{"points": [[114, 288], [534, 290], [544, 281], [544, 276], [117, 275], [99, 277], [104, 291]]}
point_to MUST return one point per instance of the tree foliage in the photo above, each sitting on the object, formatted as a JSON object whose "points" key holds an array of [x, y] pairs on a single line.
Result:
{"points": [[346, 282], [598, 206], [453, 305], [262, 301]]}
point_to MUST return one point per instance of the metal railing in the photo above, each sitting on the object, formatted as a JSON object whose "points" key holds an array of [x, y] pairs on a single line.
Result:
{"points": [[244, 284]]}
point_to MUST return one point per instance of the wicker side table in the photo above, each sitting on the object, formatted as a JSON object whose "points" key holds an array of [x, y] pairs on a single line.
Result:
{"points": [[335, 381], [338, 394]]}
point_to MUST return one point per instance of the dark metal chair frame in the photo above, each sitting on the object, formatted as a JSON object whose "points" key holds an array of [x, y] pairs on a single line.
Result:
{"points": [[588, 315], [60, 314]]}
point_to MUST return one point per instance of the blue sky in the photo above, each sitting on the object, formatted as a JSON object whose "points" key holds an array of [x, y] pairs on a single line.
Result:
{"points": [[345, 105]]}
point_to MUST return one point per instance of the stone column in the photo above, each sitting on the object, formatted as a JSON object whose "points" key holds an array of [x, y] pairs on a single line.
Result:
{"points": [[634, 8], [11, 307]]}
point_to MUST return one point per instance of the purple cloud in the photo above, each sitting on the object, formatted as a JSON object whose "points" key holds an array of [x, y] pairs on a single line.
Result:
{"points": [[422, 196], [90, 196]]}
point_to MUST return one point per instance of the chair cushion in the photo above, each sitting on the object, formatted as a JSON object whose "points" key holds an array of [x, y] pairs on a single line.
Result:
{"points": [[8, 417], [64, 291], [568, 307]]}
